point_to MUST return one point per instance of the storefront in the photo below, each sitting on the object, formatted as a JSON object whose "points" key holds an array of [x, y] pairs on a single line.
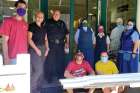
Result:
{"points": [[97, 12]]}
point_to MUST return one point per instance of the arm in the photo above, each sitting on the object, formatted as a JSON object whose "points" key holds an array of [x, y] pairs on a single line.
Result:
{"points": [[76, 36], [99, 73], [67, 74], [46, 45], [108, 43], [5, 49], [94, 42], [32, 44], [89, 69], [135, 38], [67, 41], [92, 73], [136, 46]]}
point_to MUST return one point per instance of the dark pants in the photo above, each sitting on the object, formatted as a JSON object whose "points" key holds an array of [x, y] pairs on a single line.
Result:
{"points": [[130, 66], [54, 64], [36, 69]]}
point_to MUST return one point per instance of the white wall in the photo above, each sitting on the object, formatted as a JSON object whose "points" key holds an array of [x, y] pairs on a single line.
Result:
{"points": [[138, 15]]}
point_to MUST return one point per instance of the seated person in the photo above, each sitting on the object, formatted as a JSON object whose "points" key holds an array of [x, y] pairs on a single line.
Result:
{"points": [[78, 68], [106, 67]]}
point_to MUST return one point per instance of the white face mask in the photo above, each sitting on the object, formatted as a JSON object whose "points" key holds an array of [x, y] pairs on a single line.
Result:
{"points": [[104, 59], [129, 27]]}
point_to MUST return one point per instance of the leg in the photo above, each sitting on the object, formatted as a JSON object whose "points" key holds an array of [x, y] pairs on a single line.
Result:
{"points": [[120, 89], [106, 90], [91, 90], [70, 90], [37, 70]]}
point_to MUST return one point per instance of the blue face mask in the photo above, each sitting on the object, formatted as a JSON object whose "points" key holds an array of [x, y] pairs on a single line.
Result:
{"points": [[21, 11], [104, 59]]}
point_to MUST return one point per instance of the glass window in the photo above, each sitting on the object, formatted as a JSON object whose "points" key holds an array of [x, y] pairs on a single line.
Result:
{"points": [[33, 5], [126, 9], [63, 6], [85, 9]]}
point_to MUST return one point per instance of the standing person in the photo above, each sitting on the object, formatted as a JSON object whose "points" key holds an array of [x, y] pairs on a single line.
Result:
{"points": [[78, 68], [38, 48], [115, 36], [58, 39], [128, 54], [14, 34], [85, 40], [102, 43]]}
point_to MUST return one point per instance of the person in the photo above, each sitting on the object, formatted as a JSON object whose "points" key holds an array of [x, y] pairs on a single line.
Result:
{"points": [[38, 49], [14, 34], [128, 53], [78, 68], [58, 40], [85, 41], [102, 43], [115, 36], [106, 67]]}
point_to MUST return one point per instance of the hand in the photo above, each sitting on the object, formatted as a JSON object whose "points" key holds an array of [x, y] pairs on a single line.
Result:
{"points": [[6, 61], [66, 50], [46, 52], [38, 52], [133, 55]]}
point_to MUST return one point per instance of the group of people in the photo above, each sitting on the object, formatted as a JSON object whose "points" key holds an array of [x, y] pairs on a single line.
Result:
{"points": [[123, 44], [47, 41]]}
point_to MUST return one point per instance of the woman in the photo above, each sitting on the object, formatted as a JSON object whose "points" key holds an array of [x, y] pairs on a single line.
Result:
{"points": [[38, 48], [102, 43], [128, 53], [85, 41]]}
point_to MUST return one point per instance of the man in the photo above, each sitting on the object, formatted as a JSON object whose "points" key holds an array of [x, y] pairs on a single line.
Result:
{"points": [[115, 36], [78, 68], [58, 40], [128, 56], [85, 40], [14, 34]]}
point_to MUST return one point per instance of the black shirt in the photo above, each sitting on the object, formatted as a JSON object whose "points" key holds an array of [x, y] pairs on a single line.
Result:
{"points": [[56, 30], [38, 34]]}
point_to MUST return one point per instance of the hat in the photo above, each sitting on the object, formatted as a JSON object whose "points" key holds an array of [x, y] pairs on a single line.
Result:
{"points": [[79, 53], [100, 29], [104, 54], [85, 23]]}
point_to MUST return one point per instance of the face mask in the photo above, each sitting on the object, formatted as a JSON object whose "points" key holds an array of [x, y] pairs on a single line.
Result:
{"points": [[85, 28], [104, 59], [21, 11], [129, 27]]}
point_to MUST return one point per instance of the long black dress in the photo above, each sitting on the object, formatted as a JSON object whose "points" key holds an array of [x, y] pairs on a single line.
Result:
{"points": [[54, 64]]}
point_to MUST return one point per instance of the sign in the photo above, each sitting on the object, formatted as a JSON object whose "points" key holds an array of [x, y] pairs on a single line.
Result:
{"points": [[15, 78]]}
